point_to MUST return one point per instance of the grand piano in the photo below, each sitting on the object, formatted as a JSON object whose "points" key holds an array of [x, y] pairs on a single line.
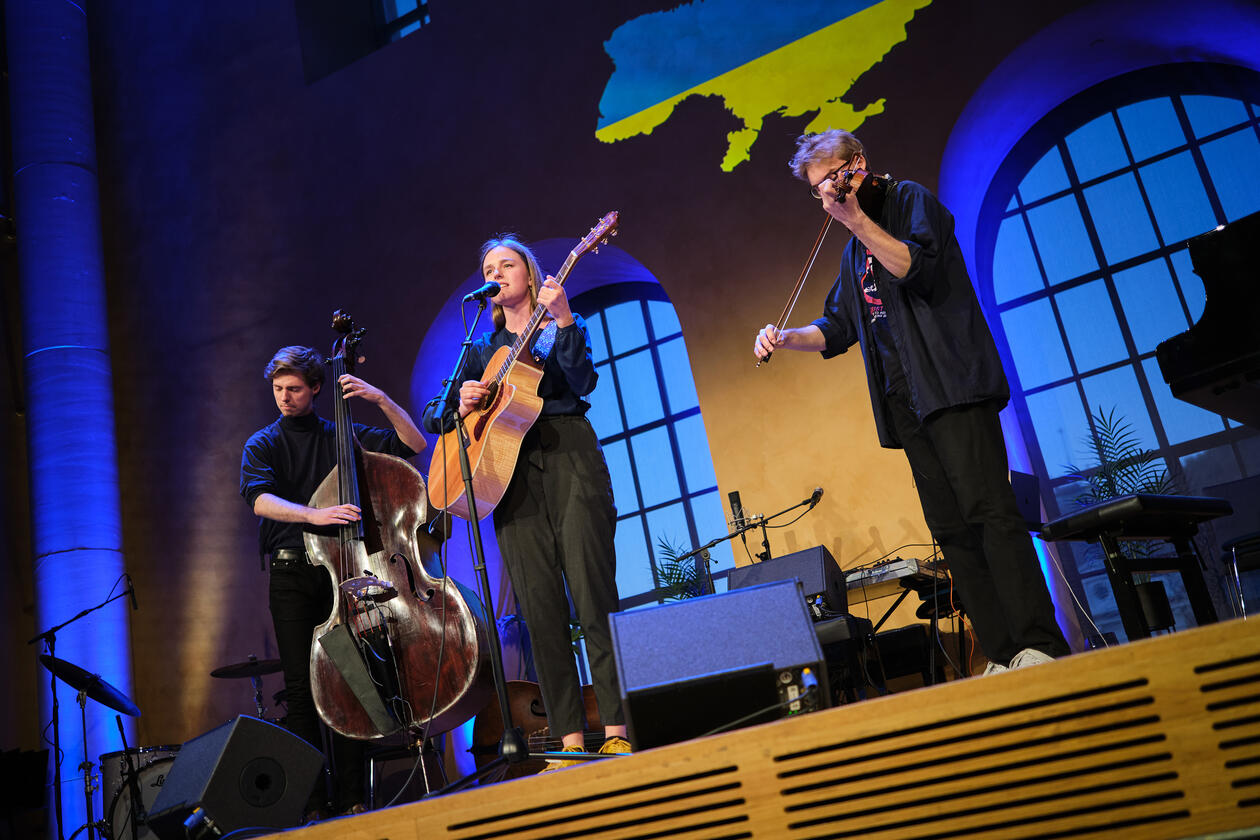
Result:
{"points": [[1216, 363]]}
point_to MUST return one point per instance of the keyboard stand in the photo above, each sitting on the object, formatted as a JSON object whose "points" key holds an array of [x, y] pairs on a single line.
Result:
{"points": [[1145, 517]]}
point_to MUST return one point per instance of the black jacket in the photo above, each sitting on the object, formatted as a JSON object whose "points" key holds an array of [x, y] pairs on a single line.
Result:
{"points": [[940, 334]]}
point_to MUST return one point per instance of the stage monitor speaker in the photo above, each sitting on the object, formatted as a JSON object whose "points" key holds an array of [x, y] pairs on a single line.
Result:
{"points": [[247, 773], [690, 667], [814, 567]]}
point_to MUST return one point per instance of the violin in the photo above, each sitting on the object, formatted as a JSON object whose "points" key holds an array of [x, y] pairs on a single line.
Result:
{"points": [[402, 650], [871, 190]]}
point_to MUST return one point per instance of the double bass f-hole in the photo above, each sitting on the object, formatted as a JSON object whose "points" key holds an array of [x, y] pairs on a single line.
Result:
{"points": [[427, 594]]}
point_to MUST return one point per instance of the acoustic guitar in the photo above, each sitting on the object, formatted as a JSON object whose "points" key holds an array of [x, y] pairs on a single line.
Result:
{"points": [[497, 426]]}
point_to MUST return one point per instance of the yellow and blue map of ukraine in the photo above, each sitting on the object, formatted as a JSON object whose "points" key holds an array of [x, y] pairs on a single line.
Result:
{"points": [[761, 58]]}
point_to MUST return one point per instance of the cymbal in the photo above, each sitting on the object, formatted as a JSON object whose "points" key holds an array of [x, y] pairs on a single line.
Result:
{"points": [[251, 668], [91, 684]]}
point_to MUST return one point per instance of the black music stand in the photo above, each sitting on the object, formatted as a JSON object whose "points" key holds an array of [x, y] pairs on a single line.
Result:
{"points": [[1143, 516]]}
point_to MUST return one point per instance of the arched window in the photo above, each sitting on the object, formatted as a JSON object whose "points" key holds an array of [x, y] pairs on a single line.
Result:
{"points": [[647, 415], [1082, 259]]}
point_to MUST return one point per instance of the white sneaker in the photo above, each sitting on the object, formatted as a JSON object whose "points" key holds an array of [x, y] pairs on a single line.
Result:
{"points": [[993, 668], [1030, 656]]}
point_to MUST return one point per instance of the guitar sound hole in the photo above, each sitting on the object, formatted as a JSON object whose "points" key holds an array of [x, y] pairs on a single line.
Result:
{"points": [[488, 400]]}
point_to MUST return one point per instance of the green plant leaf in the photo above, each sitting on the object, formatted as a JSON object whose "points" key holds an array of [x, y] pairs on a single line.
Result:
{"points": [[678, 580]]}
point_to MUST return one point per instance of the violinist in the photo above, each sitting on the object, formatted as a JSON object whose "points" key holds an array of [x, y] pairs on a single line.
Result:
{"points": [[936, 386], [281, 467], [556, 520]]}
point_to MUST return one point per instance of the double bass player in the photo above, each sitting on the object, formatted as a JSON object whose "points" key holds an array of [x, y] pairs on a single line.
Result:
{"points": [[281, 467]]}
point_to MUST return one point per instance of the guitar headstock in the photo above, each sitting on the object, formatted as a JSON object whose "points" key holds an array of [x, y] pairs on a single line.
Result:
{"points": [[599, 234]]}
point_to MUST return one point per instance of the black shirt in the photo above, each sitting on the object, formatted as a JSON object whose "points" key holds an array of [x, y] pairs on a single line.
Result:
{"points": [[938, 333], [290, 458]]}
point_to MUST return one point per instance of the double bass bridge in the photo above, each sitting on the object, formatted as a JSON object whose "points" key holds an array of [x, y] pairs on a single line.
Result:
{"points": [[369, 587]]}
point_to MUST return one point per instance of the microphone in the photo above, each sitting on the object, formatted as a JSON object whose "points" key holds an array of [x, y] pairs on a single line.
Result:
{"points": [[737, 509], [487, 291], [131, 590], [815, 496]]}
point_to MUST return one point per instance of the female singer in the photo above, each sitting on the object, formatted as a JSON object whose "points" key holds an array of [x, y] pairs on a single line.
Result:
{"points": [[556, 520]]}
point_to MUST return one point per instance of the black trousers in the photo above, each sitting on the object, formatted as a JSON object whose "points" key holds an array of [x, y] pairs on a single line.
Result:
{"points": [[555, 527], [958, 457], [301, 598]]}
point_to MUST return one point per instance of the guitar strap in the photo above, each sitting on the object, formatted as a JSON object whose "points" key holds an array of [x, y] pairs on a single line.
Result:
{"points": [[545, 341]]}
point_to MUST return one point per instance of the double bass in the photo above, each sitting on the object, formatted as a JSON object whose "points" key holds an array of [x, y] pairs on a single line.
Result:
{"points": [[403, 650]]}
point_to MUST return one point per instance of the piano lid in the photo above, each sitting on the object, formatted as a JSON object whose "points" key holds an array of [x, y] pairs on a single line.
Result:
{"points": [[1216, 363]]}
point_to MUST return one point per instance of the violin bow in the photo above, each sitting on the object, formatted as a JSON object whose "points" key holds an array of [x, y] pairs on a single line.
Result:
{"points": [[800, 282]]}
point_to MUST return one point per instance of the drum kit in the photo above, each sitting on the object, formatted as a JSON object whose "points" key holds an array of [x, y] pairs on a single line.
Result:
{"points": [[132, 777]]}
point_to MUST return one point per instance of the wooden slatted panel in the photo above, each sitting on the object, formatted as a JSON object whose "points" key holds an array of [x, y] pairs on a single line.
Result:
{"points": [[1155, 739], [1230, 690]]}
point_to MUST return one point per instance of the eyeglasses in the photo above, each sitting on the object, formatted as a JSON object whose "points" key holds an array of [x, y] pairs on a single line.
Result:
{"points": [[815, 190]]}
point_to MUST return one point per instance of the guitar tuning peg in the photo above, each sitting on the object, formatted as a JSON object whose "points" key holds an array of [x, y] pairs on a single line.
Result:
{"points": [[615, 232], [604, 241], [595, 250]]}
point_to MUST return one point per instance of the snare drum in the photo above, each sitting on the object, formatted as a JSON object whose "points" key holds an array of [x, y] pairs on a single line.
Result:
{"points": [[150, 764]]}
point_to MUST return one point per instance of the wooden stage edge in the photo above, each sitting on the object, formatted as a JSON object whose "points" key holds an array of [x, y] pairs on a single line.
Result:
{"points": [[1159, 738]]}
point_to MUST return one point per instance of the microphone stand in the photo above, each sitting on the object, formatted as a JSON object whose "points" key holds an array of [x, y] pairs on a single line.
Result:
{"points": [[513, 748], [49, 637], [748, 524], [763, 556], [133, 786]]}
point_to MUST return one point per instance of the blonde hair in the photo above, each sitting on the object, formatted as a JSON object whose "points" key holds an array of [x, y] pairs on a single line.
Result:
{"points": [[513, 242], [832, 143]]}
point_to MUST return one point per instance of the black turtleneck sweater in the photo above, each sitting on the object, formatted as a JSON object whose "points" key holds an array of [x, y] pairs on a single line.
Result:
{"points": [[289, 459]]}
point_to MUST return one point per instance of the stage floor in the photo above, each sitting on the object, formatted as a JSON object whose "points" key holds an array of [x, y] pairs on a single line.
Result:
{"points": [[1155, 739]]}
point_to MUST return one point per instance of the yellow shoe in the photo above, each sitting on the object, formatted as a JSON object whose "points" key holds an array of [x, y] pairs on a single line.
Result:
{"points": [[616, 745], [559, 764]]}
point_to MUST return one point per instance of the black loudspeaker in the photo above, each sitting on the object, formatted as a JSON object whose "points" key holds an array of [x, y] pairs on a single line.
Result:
{"points": [[814, 567], [688, 668], [246, 773], [907, 650]]}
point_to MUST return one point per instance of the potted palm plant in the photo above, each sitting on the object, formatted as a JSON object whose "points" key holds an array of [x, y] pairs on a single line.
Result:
{"points": [[678, 580]]}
